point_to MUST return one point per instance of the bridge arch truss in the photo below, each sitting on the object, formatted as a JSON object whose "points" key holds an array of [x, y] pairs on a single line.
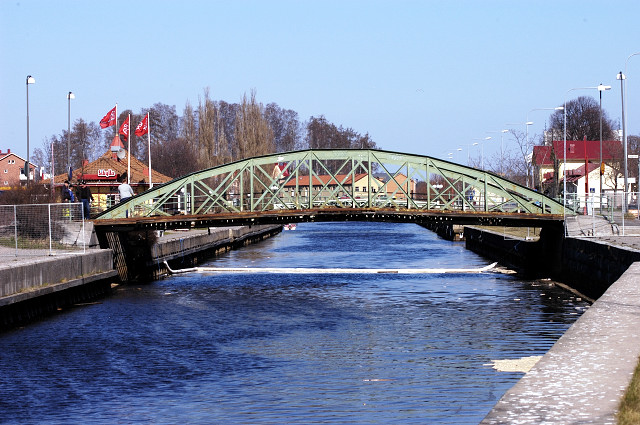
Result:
{"points": [[347, 178]]}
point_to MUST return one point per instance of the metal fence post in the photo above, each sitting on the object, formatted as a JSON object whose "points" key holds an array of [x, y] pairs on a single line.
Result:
{"points": [[84, 235], [50, 235], [15, 227]]}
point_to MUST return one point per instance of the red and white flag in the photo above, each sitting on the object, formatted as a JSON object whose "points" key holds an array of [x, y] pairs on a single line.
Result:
{"points": [[124, 128], [143, 127], [109, 119]]}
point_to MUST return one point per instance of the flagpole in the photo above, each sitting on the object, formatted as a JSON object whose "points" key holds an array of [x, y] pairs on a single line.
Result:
{"points": [[117, 121], [149, 148], [129, 150]]}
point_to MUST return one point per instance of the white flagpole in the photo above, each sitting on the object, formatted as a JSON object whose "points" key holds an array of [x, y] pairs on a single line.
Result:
{"points": [[149, 148], [53, 173], [129, 150], [117, 120]]}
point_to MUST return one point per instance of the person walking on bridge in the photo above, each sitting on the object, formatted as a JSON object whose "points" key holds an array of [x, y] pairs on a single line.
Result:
{"points": [[125, 191]]}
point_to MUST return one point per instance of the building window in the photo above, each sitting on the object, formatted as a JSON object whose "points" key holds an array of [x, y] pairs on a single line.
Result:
{"points": [[364, 189], [12, 161], [6, 183], [357, 188], [6, 171]]}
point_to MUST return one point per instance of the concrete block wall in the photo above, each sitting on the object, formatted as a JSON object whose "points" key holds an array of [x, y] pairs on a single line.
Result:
{"points": [[52, 270], [586, 264]]}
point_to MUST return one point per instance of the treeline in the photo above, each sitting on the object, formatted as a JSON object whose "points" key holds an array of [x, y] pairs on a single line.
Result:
{"points": [[209, 134]]}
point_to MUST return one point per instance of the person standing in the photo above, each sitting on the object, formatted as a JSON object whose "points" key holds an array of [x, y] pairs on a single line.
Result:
{"points": [[86, 198], [67, 193], [126, 191]]}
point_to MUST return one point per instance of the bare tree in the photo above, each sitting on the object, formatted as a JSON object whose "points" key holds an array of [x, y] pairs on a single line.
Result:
{"points": [[583, 120], [165, 158], [516, 160], [253, 135], [286, 128], [206, 131]]}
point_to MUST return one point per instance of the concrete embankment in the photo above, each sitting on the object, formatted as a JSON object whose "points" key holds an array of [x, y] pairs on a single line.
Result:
{"points": [[587, 265], [585, 374], [32, 287], [582, 379]]}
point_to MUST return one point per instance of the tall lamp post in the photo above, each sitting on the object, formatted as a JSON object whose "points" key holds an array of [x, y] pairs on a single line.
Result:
{"points": [[622, 77], [27, 167], [69, 97], [482, 140], [468, 145], [564, 161], [528, 123], [501, 148], [526, 142], [601, 88]]}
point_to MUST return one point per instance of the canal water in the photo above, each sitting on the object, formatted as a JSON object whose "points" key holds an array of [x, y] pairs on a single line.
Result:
{"points": [[206, 348]]}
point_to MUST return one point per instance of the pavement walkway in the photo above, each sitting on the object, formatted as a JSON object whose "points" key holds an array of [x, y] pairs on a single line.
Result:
{"points": [[582, 379]]}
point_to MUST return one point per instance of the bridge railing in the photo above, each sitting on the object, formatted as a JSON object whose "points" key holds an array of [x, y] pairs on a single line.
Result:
{"points": [[355, 178]]}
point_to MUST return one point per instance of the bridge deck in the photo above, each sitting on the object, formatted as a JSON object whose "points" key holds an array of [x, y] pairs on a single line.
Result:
{"points": [[331, 214]]}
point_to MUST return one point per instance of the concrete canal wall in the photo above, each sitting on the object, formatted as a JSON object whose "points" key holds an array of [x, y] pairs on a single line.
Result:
{"points": [[32, 287], [588, 265]]}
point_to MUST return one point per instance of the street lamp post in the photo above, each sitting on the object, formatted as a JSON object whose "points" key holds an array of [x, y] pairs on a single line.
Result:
{"points": [[468, 145], [69, 97], [526, 146], [27, 168], [501, 148], [622, 77], [482, 150], [601, 88], [528, 123], [564, 163]]}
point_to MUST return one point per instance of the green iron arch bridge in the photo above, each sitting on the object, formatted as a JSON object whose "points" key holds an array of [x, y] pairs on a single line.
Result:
{"points": [[334, 185]]}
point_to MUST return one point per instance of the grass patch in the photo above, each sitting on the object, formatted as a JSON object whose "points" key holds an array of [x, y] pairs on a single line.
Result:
{"points": [[24, 243], [629, 410], [515, 232]]}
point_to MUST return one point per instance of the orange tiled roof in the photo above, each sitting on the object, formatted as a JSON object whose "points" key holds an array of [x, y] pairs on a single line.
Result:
{"points": [[139, 170]]}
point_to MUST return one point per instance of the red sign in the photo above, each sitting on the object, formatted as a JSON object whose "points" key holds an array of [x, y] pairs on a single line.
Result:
{"points": [[103, 174]]}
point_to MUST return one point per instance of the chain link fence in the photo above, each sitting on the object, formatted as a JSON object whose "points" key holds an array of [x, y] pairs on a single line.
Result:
{"points": [[42, 229]]}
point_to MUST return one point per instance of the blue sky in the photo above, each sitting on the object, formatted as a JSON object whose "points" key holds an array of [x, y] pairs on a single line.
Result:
{"points": [[421, 77]]}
